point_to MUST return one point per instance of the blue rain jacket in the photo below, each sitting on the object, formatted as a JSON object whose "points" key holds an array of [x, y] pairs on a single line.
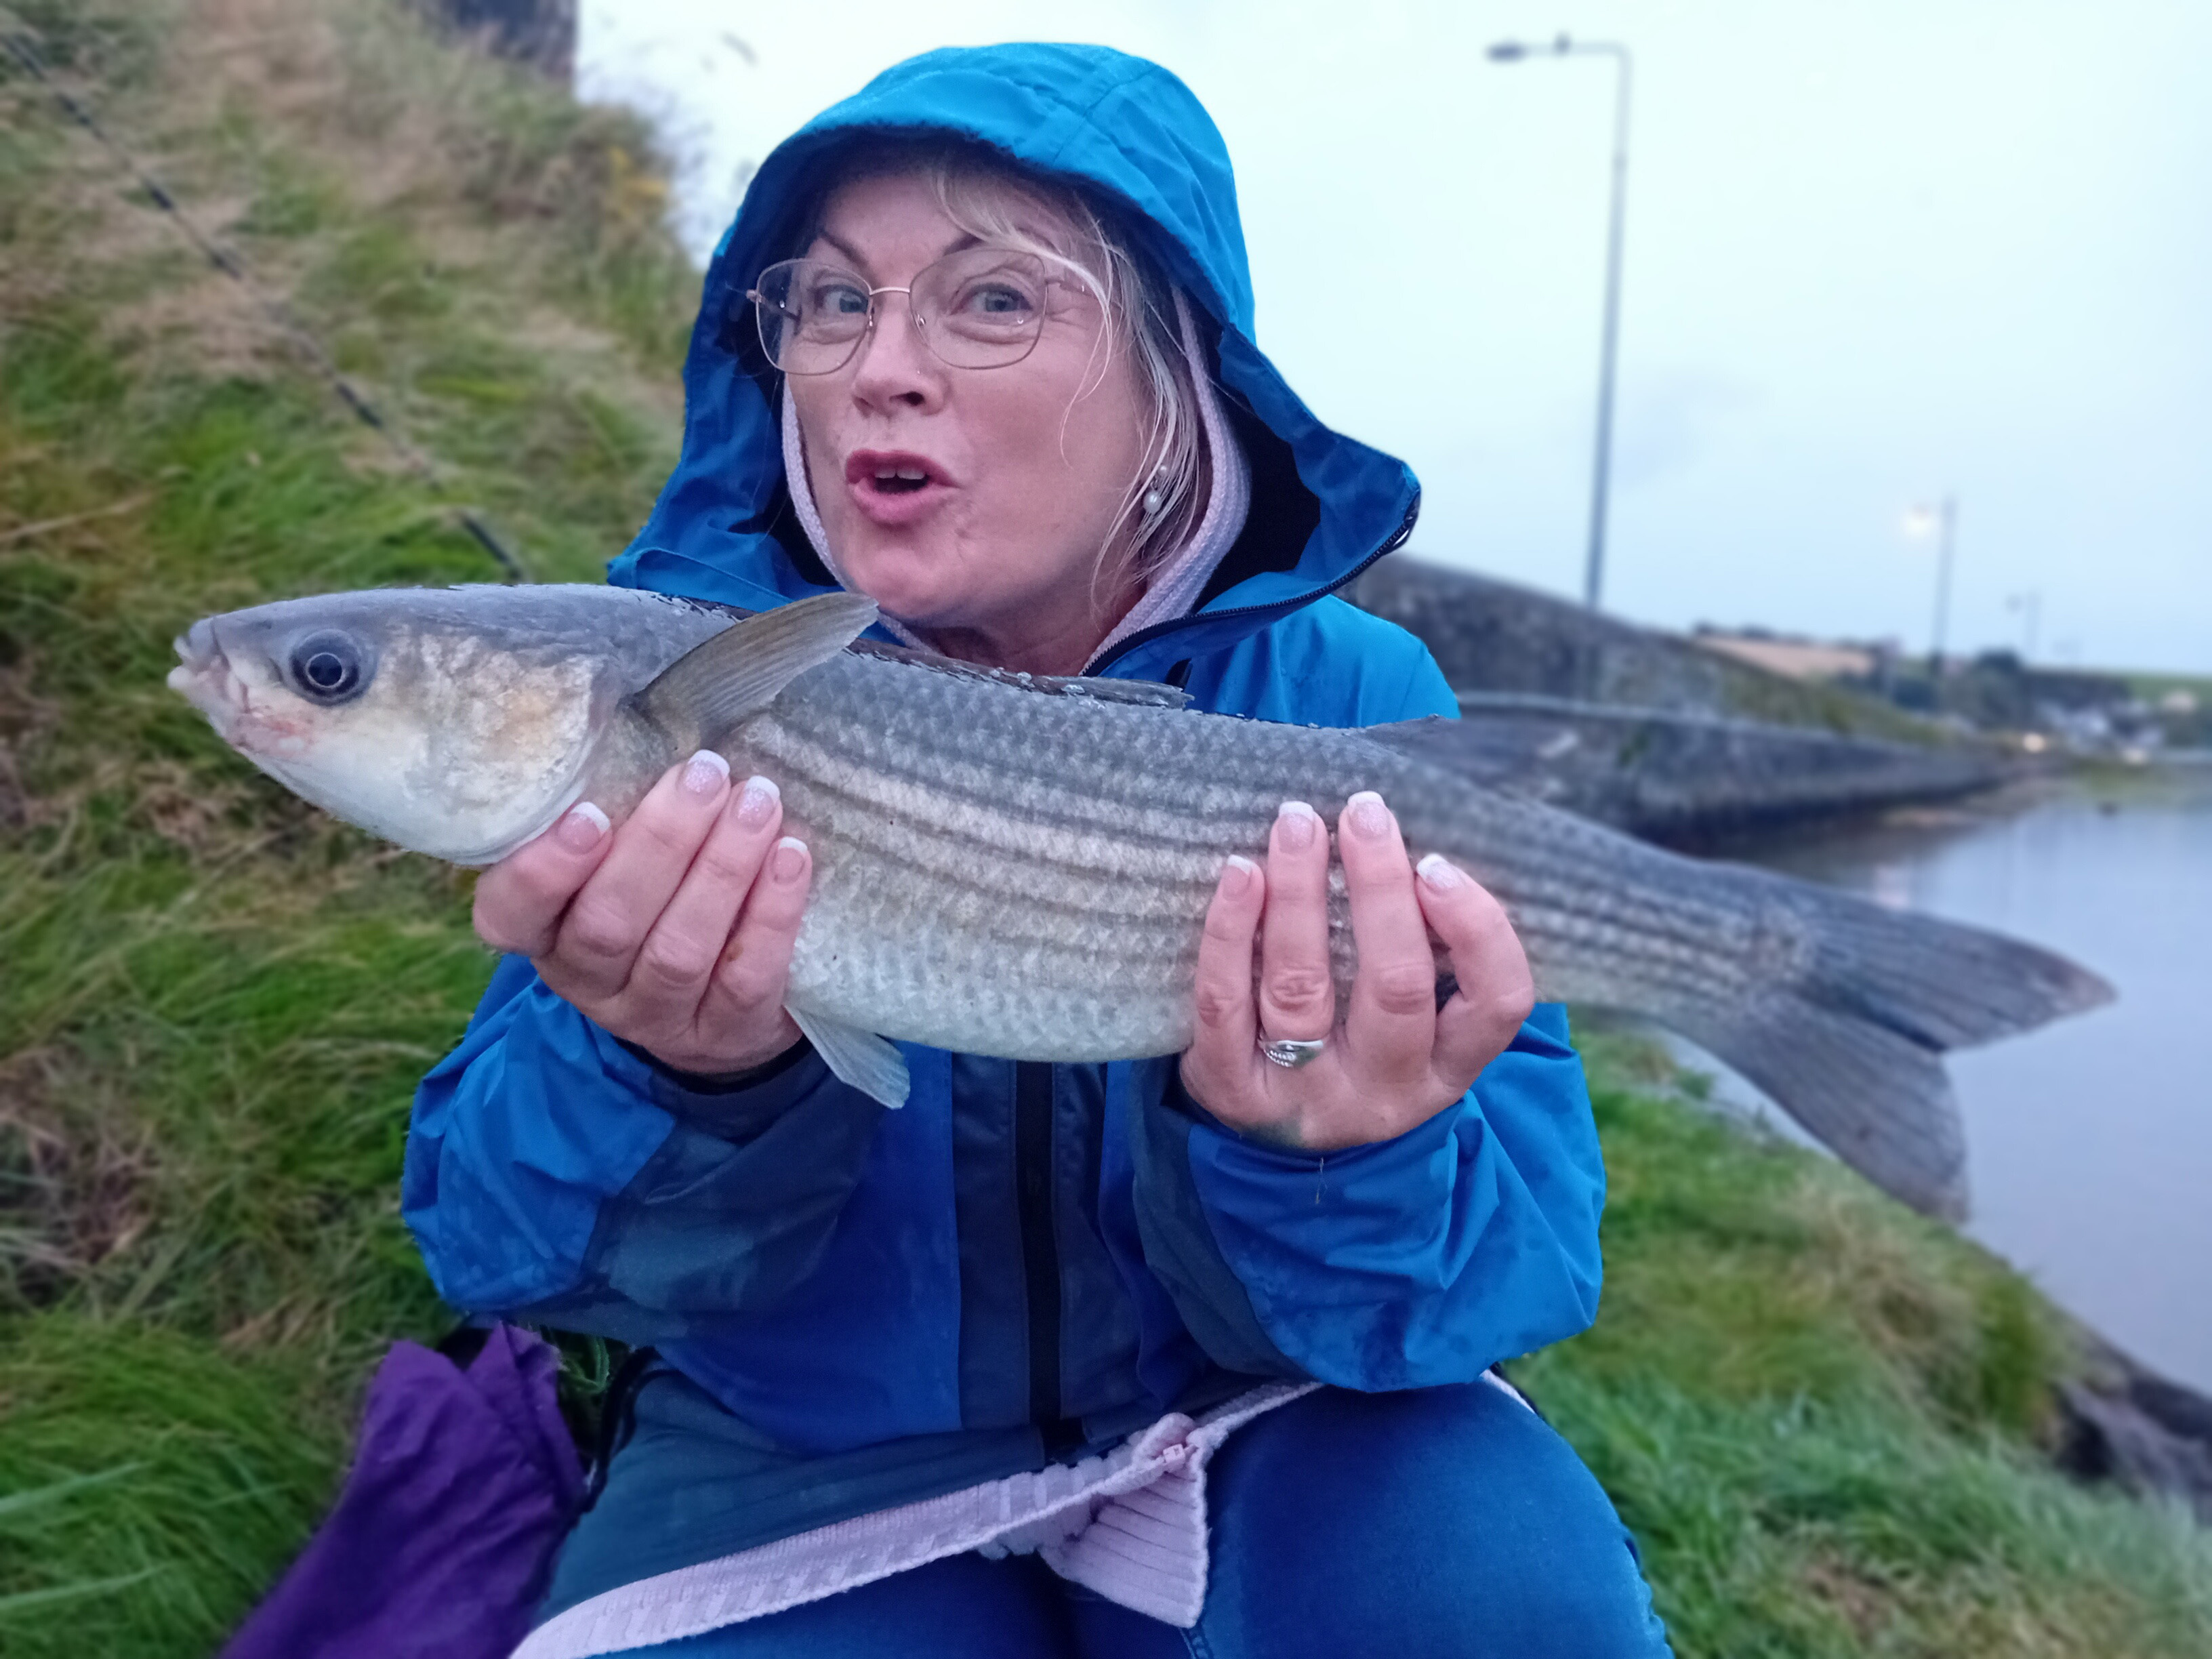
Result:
{"points": [[1026, 1260]]}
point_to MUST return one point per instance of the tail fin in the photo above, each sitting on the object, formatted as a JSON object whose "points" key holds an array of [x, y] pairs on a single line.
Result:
{"points": [[1880, 1102], [1839, 1009], [1850, 1044], [1940, 983]]}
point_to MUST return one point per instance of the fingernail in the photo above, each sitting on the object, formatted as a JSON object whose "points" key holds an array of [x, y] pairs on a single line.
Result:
{"points": [[1370, 819], [705, 772], [580, 827], [1296, 822], [788, 861], [1236, 873], [1440, 873], [756, 802]]}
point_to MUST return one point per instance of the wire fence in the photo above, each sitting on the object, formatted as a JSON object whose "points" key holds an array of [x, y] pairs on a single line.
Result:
{"points": [[22, 49]]}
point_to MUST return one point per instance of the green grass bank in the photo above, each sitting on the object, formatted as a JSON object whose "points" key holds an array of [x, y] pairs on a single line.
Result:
{"points": [[1825, 1417]]}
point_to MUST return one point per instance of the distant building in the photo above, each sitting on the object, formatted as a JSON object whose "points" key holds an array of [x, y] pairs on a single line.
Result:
{"points": [[1797, 660]]}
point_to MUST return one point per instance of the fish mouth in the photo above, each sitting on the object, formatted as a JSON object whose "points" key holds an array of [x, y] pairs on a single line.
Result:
{"points": [[199, 645], [203, 677]]}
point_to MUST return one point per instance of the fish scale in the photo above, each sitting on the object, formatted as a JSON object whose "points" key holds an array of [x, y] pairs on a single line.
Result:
{"points": [[957, 897], [1071, 847]]}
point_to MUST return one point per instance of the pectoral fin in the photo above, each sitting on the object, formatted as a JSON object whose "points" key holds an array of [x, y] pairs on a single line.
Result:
{"points": [[855, 1057], [739, 672]]}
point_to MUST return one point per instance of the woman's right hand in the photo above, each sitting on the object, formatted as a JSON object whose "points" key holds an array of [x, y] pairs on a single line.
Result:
{"points": [[673, 932]]}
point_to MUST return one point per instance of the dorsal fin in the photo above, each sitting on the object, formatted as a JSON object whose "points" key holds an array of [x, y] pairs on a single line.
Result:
{"points": [[1149, 693], [1480, 752], [739, 671]]}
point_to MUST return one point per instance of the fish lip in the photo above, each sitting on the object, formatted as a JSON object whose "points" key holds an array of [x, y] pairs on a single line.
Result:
{"points": [[199, 647], [203, 677]]}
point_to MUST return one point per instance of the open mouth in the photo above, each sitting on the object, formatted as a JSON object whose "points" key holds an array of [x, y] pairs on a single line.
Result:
{"points": [[896, 489], [891, 472]]}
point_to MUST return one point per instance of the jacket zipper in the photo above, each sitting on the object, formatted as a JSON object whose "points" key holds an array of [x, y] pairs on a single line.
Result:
{"points": [[1033, 1196], [1033, 1103]]}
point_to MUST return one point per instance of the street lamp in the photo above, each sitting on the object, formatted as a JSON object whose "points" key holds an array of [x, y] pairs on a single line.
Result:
{"points": [[1921, 521], [1512, 52]]}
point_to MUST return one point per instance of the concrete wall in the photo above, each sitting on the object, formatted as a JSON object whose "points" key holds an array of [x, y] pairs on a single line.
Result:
{"points": [[1648, 732], [1493, 636], [1686, 779]]}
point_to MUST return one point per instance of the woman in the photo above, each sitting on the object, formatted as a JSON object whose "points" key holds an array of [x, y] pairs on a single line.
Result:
{"points": [[978, 345]]}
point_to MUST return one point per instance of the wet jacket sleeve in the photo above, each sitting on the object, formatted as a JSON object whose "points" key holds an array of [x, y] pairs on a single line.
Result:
{"points": [[1471, 1238], [554, 1174], [1407, 1263]]}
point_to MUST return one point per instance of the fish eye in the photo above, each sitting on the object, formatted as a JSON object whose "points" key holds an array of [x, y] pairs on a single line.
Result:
{"points": [[330, 667]]}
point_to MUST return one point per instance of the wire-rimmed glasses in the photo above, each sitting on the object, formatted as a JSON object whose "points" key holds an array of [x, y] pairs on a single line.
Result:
{"points": [[982, 307]]}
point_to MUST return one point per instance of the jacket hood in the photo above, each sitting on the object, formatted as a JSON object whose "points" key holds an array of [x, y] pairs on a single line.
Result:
{"points": [[1324, 506]]}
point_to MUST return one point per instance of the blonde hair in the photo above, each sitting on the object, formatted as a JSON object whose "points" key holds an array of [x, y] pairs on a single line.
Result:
{"points": [[997, 202]]}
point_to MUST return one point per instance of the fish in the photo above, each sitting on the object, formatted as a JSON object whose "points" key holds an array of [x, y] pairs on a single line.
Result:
{"points": [[1021, 866]]}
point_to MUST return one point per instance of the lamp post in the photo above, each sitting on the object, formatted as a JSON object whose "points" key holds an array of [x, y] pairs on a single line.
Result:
{"points": [[1920, 522], [1512, 52]]}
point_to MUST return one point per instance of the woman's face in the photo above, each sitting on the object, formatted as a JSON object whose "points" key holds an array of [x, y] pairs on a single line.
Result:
{"points": [[994, 556]]}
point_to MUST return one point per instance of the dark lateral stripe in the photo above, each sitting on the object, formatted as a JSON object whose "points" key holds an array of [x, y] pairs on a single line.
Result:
{"points": [[1068, 801], [973, 844], [1087, 833]]}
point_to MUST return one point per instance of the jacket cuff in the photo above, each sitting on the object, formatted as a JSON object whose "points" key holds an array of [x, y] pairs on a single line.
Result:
{"points": [[1260, 1157], [719, 1082], [734, 1106]]}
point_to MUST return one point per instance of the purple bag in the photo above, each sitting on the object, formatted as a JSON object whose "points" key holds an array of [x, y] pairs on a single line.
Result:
{"points": [[441, 1544]]}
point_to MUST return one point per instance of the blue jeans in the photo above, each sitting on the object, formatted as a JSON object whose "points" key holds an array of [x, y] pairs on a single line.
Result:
{"points": [[1437, 1524]]}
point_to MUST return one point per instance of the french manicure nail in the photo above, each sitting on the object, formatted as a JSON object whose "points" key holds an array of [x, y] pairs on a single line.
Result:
{"points": [[788, 861], [1297, 822], [1370, 819], [1236, 873], [580, 827], [705, 772], [756, 801], [1440, 873]]}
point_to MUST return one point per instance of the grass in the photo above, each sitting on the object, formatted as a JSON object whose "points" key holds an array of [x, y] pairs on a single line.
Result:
{"points": [[2151, 687], [1756, 694], [214, 1003], [1823, 1417]]}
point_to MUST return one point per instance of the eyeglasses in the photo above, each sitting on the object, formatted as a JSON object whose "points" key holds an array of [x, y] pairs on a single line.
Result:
{"points": [[982, 307]]}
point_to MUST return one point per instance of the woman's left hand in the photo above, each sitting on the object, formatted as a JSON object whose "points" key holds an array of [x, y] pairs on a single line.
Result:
{"points": [[1392, 1059]]}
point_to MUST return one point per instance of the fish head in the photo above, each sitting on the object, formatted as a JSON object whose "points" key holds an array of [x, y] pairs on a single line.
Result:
{"points": [[431, 721]]}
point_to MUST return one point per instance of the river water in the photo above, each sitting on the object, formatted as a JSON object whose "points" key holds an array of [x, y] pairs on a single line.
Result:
{"points": [[2089, 1141]]}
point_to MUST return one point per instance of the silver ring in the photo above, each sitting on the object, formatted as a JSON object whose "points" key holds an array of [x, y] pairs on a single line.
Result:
{"points": [[1290, 1053]]}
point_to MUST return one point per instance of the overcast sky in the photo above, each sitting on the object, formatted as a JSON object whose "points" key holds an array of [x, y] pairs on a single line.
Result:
{"points": [[1876, 252]]}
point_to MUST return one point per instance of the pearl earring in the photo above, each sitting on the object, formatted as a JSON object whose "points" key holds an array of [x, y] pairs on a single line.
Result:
{"points": [[1156, 497]]}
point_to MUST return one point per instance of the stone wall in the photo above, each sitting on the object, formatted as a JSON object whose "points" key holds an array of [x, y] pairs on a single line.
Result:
{"points": [[1648, 731], [1490, 635], [1690, 779]]}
